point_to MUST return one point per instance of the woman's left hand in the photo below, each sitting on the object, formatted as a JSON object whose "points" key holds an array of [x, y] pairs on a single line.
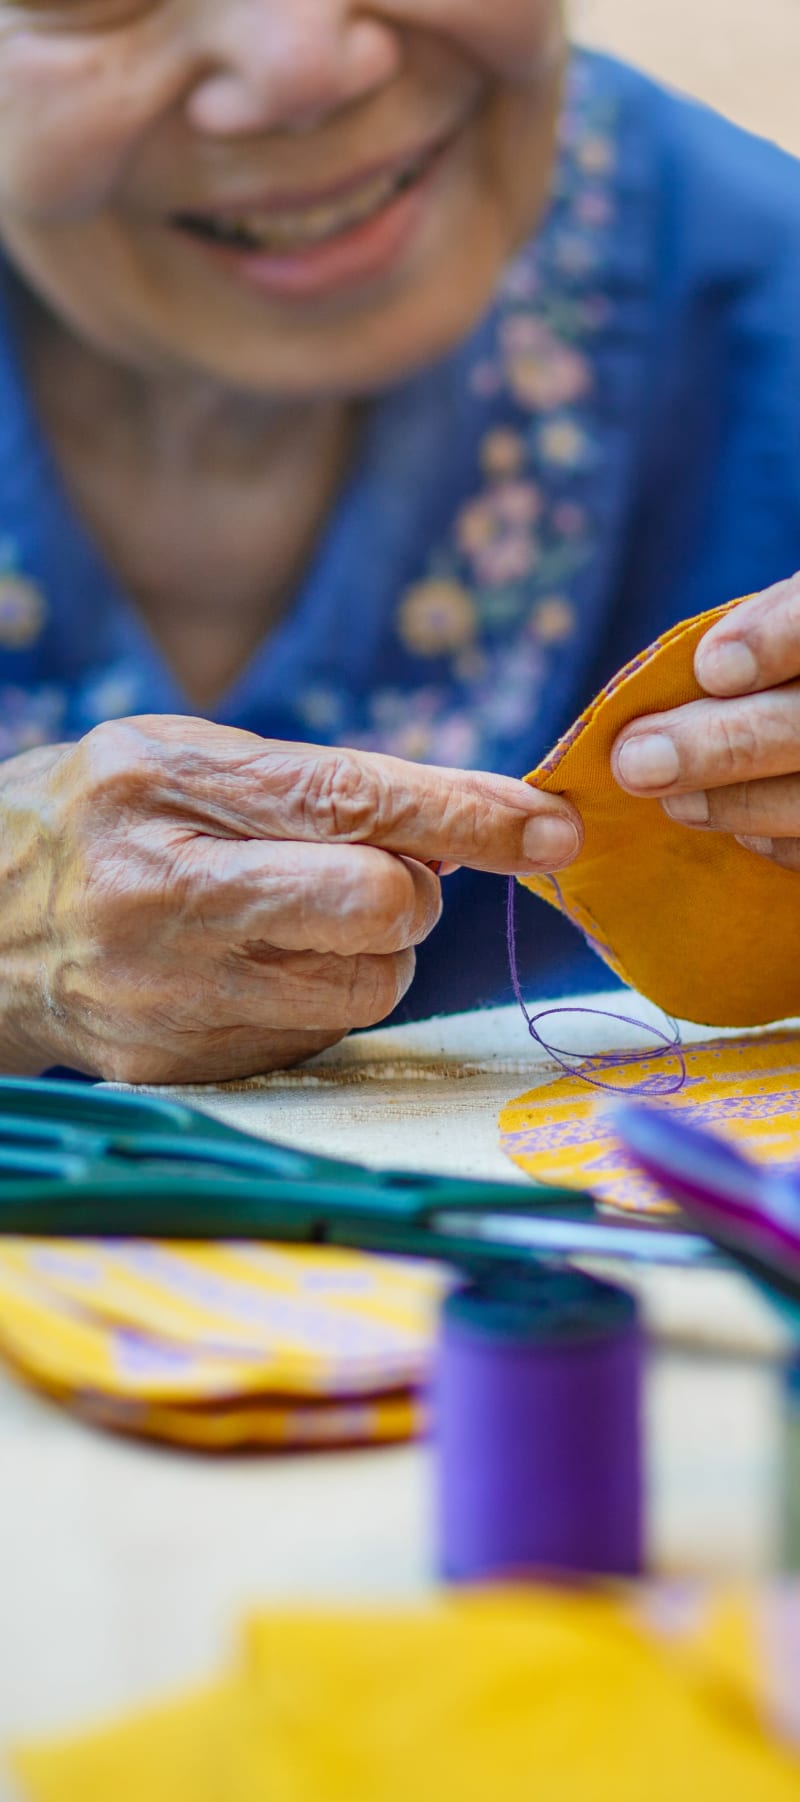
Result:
{"points": [[731, 763]]}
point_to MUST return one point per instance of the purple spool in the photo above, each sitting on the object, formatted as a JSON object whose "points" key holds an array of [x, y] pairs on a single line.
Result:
{"points": [[537, 1408]]}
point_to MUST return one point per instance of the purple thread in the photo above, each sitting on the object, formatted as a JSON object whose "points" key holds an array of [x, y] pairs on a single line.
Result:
{"points": [[660, 1083]]}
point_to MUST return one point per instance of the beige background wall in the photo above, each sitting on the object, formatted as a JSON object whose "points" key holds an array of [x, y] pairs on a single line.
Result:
{"points": [[741, 55]]}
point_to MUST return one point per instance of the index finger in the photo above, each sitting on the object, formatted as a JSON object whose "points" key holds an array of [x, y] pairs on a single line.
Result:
{"points": [[754, 646], [237, 785], [480, 820]]}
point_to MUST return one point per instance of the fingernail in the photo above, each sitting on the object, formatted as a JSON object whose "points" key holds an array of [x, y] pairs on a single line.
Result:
{"points": [[650, 761], [763, 847], [550, 841], [689, 810], [728, 668]]}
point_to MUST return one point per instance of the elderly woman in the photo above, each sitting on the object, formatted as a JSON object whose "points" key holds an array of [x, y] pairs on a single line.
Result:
{"points": [[372, 383]]}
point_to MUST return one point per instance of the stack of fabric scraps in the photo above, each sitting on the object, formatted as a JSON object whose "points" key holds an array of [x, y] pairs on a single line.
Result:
{"points": [[222, 1346], [514, 1695]]}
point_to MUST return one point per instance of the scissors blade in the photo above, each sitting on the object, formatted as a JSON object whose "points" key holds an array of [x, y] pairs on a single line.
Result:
{"points": [[548, 1236]]}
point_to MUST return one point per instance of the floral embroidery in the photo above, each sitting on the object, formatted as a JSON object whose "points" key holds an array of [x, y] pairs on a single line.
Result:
{"points": [[22, 605], [112, 695], [563, 442], [542, 371], [553, 620], [30, 717], [494, 605], [435, 617], [503, 452]]}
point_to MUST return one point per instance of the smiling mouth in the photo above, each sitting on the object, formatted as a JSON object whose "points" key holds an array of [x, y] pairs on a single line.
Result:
{"points": [[300, 228]]}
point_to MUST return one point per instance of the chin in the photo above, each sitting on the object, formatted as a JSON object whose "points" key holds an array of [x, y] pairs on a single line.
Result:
{"points": [[360, 342], [380, 346]]}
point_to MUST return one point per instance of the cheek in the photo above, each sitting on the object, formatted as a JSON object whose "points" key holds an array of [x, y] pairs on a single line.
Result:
{"points": [[67, 126], [511, 39]]}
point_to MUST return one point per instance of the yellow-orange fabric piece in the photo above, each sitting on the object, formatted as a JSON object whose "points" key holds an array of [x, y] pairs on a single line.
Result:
{"points": [[518, 1695], [699, 925], [745, 1089], [225, 1345]]}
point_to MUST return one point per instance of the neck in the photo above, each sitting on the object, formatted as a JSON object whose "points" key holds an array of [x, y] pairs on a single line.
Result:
{"points": [[206, 503], [188, 423]]}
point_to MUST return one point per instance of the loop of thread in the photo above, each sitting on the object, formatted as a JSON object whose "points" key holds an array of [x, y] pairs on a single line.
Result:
{"points": [[659, 1083]]}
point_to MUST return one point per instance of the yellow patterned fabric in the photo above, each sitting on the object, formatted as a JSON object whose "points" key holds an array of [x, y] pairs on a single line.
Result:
{"points": [[745, 1089], [699, 925], [512, 1695], [221, 1346]]}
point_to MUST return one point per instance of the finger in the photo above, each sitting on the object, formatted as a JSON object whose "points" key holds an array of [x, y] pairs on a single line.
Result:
{"points": [[483, 821], [755, 646], [344, 899], [234, 785], [763, 810], [711, 744], [783, 851], [304, 991]]}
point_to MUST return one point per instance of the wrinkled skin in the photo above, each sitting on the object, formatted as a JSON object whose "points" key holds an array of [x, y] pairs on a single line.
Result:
{"points": [[180, 900]]}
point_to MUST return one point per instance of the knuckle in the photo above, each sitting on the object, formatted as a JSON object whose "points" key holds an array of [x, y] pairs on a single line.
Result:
{"points": [[771, 624], [747, 804], [737, 743], [785, 602], [791, 607], [341, 798], [376, 986], [425, 904], [116, 770], [367, 898], [732, 808], [389, 912], [466, 820]]}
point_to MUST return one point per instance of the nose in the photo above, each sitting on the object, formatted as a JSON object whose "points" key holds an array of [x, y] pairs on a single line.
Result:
{"points": [[286, 65]]}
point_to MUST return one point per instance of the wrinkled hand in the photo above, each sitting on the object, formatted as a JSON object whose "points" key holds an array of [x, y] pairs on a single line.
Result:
{"points": [[732, 763], [182, 901]]}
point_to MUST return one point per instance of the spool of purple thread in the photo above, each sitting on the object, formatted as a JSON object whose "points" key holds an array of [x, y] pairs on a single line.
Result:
{"points": [[538, 1404]]}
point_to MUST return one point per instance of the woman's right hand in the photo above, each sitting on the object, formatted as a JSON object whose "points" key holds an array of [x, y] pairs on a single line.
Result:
{"points": [[181, 901]]}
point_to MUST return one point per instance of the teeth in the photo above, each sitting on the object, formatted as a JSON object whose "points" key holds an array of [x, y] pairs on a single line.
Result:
{"points": [[322, 221], [312, 226]]}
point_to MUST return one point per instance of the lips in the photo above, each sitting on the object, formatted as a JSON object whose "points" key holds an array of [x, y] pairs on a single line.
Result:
{"points": [[287, 230]]}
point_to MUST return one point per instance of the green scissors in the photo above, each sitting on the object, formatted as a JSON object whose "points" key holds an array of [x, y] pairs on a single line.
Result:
{"points": [[78, 1161]]}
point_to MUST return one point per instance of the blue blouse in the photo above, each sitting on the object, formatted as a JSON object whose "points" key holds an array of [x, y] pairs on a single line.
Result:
{"points": [[615, 447]]}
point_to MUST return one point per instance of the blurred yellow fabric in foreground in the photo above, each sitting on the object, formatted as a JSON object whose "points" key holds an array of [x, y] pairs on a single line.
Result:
{"points": [[568, 1696]]}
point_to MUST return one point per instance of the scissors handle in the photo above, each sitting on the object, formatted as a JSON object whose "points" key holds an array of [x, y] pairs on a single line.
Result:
{"points": [[85, 1165], [77, 1162]]}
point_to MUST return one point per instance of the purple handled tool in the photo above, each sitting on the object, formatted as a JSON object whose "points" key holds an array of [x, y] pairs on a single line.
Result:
{"points": [[749, 1211]]}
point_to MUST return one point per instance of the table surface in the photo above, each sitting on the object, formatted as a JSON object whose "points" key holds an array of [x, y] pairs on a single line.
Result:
{"points": [[124, 1569]]}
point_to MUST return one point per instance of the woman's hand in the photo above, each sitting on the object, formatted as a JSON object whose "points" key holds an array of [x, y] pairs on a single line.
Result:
{"points": [[732, 764], [180, 901]]}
